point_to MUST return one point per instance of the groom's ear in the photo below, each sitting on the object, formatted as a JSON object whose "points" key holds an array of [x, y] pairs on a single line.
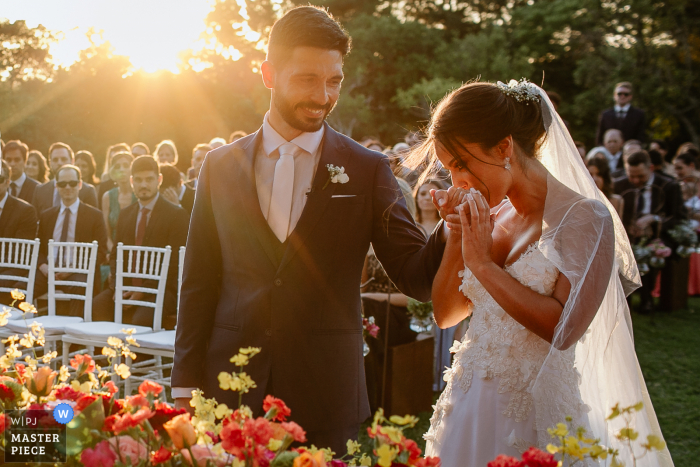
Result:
{"points": [[268, 74]]}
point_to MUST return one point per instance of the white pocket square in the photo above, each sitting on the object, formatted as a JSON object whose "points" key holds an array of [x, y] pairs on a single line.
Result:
{"points": [[343, 196]]}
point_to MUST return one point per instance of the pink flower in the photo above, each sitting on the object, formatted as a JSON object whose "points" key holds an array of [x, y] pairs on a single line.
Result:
{"points": [[203, 455], [129, 449], [99, 456], [295, 431]]}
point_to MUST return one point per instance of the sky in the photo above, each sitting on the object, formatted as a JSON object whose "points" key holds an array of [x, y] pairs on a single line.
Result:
{"points": [[150, 32]]}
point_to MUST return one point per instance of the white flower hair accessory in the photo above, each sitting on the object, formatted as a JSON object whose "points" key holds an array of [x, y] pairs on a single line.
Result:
{"points": [[521, 91], [336, 175]]}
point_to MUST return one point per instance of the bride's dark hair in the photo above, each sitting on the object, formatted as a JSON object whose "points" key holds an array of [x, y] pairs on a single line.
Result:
{"points": [[478, 113]]}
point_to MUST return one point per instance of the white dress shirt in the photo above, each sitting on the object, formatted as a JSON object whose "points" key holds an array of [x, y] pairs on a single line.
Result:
{"points": [[58, 228], [305, 165], [625, 109], [646, 192], [4, 200]]}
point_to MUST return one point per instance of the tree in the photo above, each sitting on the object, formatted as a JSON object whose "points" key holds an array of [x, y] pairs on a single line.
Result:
{"points": [[25, 52]]}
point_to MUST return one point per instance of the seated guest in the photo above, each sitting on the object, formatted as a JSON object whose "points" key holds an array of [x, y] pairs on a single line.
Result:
{"points": [[166, 152], [46, 196], [37, 168], [107, 183], [599, 169], [152, 222], [21, 186], [652, 206], [71, 221], [685, 166], [611, 148], [198, 154], [174, 190], [630, 147], [119, 197], [217, 142], [85, 161], [236, 135], [140, 149]]}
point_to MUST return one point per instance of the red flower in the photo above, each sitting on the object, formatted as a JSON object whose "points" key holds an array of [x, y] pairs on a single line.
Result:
{"points": [[67, 393], [111, 405], [20, 368], [428, 462], [160, 456], [414, 451], [533, 457], [505, 461], [214, 438], [137, 401], [83, 363], [150, 387], [99, 456], [259, 430], [2, 423], [111, 387], [118, 423], [6, 394], [232, 439], [282, 411], [163, 414], [83, 402], [295, 431]]}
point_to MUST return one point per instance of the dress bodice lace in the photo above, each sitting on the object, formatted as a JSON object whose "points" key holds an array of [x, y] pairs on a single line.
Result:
{"points": [[497, 346]]}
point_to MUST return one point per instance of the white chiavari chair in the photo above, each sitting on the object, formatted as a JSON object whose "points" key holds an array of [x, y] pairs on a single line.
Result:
{"points": [[16, 257]]}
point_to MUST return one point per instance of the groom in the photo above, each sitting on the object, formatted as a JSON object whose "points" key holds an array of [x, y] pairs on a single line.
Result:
{"points": [[277, 245]]}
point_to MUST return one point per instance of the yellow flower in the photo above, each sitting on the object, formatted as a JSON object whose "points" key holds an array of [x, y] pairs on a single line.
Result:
{"points": [[239, 359], [615, 412], [49, 356], [4, 315], [394, 434], [222, 411], [245, 411], [250, 351], [573, 448], [114, 342], [274, 444], [654, 442], [246, 381], [353, 447], [17, 295], [409, 420], [616, 463], [365, 460], [552, 449], [385, 455], [132, 341], [638, 406], [628, 433], [129, 331], [63, 374], [560, 430], [122, 370], [598, 452], [27, 307], [109, 352], [225, 380]]}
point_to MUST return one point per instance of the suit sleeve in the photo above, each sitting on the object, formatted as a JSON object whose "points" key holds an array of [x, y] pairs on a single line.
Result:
{"points": [[177, 237], [119, 237], [27, 224], [399, 244], [43, 236], [199, 295], [88, 195], [674, 208], [36, 200], [100, 234]]}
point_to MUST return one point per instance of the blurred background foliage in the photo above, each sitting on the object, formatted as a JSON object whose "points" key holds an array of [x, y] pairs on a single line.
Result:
{"points": [[406, 55]]}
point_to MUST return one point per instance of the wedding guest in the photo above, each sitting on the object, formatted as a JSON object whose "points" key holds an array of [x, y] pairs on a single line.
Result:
{"points": [[217, 142], [612, 148], [685, 166], [688, 147], [21, 186], [630, 147], [119, 197], [86, 163], [140, 149], [630, 120], [47, 195], [599, 169], [166, 152], [374, 145], [154, 222], [107, 183], [71, 221], [174, 190], [198, 154], [581, 149], [37, 168], [657, 163], [236, 135], [662, 148]]}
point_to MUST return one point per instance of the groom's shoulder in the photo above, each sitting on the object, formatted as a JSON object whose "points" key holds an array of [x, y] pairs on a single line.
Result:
{"points": [[227, 150]]}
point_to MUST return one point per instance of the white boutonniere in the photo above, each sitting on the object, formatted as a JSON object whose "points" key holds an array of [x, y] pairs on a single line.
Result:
{"points": [[336, 175]]}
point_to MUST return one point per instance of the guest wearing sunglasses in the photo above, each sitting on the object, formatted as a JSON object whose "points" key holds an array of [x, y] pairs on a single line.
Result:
{"points": [[630, 120], [71, 221]]}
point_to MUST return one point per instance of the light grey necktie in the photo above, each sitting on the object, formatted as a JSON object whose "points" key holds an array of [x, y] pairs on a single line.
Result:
{"points": [[282, 192]]}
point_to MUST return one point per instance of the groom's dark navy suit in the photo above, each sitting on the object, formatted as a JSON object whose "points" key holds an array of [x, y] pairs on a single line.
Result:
{"points": [[299, 300]]}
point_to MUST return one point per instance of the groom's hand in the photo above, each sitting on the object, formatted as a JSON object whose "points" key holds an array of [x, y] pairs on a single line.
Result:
{"points": [[184, 403], [446, 202]]}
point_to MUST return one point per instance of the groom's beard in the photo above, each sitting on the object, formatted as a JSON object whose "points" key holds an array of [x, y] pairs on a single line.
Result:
{"points": [[305, 124]]}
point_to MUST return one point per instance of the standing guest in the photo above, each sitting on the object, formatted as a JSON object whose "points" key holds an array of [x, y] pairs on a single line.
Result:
{"points": [[71, 221], [153, 222], [166, 152], [623, 116], [140, 149], [198, 154], [599, 169], [652, 205], [119, 197], [46, 196], [174, 190], [85, 161], [236, 135], [37, 168], [107, 183], [217, 142], [21, 186]]}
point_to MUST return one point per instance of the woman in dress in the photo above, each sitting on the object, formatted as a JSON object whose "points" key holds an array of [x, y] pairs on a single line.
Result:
{"points": [[37, 168], [599, 168], [540, 266], [119, 197], [86, 163]]}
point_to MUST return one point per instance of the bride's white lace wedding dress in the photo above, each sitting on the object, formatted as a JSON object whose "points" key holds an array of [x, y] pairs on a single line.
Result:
{"points": [[487, 408]]}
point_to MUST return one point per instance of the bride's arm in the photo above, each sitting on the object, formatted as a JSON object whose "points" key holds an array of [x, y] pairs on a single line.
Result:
{"points": [[449, 304]]}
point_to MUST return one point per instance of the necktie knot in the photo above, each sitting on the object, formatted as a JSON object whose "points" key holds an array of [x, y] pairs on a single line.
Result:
{"points": [[13, 188], [288, 149], [145, 211]]}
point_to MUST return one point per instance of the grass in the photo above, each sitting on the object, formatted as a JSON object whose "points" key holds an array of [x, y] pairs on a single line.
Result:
{"points": [[668, 348]]}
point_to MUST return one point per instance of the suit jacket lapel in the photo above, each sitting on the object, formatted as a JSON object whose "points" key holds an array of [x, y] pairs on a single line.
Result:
{"points": [[333, 152], [81, 224], [245, 161]]}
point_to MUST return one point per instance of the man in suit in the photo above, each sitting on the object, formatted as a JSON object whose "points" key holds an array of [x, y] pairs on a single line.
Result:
{"points": [[174, 190], [623, 116], [71, 221], [198, 154], [153, 222], [21, 186], [278, 240], [653, 206], [46, 195], [17, 220]]}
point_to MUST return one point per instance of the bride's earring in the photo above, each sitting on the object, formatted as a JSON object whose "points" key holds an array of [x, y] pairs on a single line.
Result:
{"points": [[507, 166]]}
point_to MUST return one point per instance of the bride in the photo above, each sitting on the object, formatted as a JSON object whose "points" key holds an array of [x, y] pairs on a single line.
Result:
{"points": [[543, 268]]}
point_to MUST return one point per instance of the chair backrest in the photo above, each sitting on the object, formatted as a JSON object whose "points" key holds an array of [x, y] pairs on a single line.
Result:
{"points": [[18, 255], [181, 266], [72, 258], [143, 264]]}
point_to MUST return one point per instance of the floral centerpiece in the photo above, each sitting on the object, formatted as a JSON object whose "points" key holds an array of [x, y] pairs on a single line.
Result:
{"points": [[686, 237], [651, 254], [421, 315]]}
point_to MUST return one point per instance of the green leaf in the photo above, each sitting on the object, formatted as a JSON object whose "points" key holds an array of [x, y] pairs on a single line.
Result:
{"points": [[82, 431], [284, 459]]}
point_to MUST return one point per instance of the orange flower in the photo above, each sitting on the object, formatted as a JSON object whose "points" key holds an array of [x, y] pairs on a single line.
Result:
{"points": [[110, 387], [150, 386], [119, 423], [137, 401], [305, 459], [276, 409], [181, 431], [83, 363], [41, 382]]}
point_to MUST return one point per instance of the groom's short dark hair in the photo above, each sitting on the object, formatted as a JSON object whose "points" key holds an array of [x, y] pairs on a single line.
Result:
{"points": [[305, 26]]}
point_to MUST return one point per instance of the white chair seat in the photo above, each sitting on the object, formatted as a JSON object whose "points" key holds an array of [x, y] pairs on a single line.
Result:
{"points": [[103, 329], [52, 325], [163, 340]]}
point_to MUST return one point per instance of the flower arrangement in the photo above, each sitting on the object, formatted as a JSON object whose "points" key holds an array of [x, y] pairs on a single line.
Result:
{"points": [[369, 329], [652, 254], [421, 315], [686, 237], [144, 430]]}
